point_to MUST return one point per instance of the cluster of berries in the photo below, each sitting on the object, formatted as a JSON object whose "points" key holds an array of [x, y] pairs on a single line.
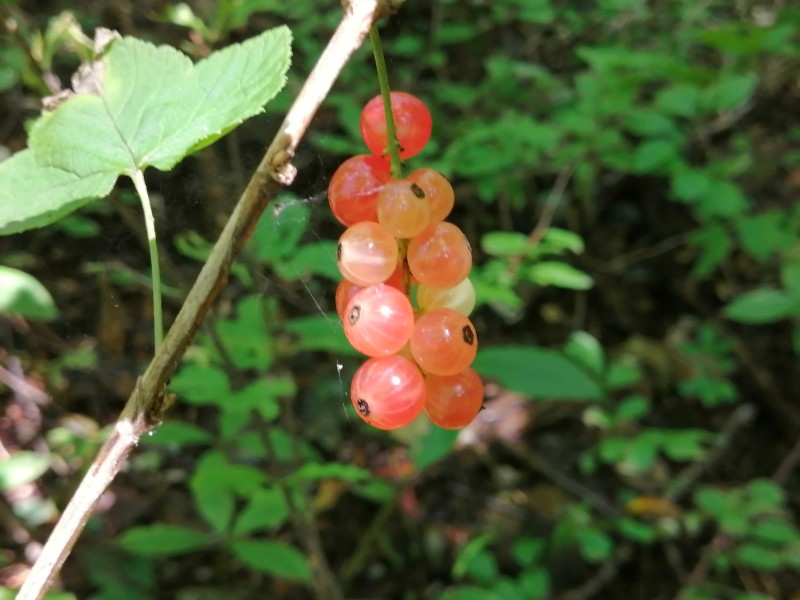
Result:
{"points": [[397, 249]]}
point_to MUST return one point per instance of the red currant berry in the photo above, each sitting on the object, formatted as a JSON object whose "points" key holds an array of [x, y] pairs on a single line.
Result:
{"points": [[453, 400], [378, 320], [354, 187], [388, 392], [443, 342], [412, 121]]}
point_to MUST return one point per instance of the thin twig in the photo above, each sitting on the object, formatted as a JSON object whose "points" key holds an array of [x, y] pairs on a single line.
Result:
{"points": [[146, 404], [553, 200]]}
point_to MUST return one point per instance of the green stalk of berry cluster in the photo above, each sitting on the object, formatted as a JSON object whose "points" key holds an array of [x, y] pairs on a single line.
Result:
{"points": [[393, 147]]}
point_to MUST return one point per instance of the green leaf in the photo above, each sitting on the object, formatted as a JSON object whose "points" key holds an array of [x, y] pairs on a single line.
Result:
{"points": [[766, 493], [680, 99], [178, 434], [267, 508], [653, 156], [320, 332], [586, 350], [764, 305], [558, 240], [24, 295], [632, 408], [316, 471], [535, 584], [685, 444], [774, 531], [537, 372], [649, 123], [713, 501], [163, 540], [714, 245], [149, 107], [595, 545], [35, 195], [246, 335], [559, 274], [729, 91], [505, 243], [273, 558], [790, 277], [637, 531], [758, 557], [726, 200], [309, 260], [200, 385], [21, 468], [216, 483], [154, 105], [527, 551], [765, 234], [279, 230], [468, 554]]}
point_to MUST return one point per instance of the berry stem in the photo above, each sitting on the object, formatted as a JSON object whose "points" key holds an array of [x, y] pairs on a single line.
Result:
{"points": [[155, 271], [383, 81]]}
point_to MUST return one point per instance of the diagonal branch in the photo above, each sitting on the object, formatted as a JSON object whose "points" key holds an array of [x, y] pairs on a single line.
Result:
{"points": [[148, 401]]}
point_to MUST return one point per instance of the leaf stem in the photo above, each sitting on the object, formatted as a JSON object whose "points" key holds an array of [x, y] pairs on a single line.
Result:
{"points": [[155, 270], [393, 146]]}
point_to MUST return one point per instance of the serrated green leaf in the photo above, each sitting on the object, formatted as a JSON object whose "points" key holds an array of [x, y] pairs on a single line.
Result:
{"points": [[33, 195], [273, 558], [20, 468], [162, 540], [154, 105], [537, 372], [764, 305], [24, 295], [151, 107]]}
